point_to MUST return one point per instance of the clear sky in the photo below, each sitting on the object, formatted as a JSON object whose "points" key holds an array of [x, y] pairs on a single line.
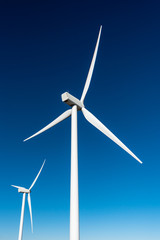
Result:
{"points": [[45, 49]]}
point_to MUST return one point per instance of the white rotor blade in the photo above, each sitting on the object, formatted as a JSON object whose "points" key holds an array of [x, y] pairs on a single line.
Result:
{"points": [[37, 176], [63, 116], [16, 186], [30, 210], [91, 68], [96, 123]]}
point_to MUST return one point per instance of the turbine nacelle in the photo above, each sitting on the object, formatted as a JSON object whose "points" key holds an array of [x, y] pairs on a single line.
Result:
{"points": [[71, 100], [23, 190]]}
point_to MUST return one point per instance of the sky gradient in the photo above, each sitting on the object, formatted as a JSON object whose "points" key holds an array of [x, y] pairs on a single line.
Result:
{"points": [[45, 50]]}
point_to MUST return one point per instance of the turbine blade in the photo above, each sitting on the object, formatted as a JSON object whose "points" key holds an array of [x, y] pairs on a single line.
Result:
{"points": [[16, 186], [96, 123], [88, 80], [63, 116], [30, 210], [37, 176]]}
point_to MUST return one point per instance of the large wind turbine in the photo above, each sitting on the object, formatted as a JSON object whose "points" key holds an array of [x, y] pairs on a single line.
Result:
{"points": [[26, 191], [78, 105]]}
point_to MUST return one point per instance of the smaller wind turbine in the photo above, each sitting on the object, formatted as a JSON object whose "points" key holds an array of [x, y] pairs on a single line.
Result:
{"points": [[28, 191]]}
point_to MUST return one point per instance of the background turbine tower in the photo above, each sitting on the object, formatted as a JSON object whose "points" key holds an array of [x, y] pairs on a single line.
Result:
{"points": [[78, 105], [28, 191]]}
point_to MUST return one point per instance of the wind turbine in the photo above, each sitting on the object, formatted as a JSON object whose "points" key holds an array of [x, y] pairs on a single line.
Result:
{"points": [[26, 191], [78, 105]]}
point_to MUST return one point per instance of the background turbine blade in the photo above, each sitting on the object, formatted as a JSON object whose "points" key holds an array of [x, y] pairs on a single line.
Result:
{"points": [[96, 123], [63, 116], [16, 186], [37, 176], [91, 68], [30, 210]]}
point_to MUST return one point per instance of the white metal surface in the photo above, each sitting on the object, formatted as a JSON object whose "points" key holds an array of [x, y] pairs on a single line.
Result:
{"points": [[71, 100], [30, 210], [22, 217], [21, 189], [63, 116], [96, 123], [88, 80], [37, 176], [15, 186], [74, 195]]}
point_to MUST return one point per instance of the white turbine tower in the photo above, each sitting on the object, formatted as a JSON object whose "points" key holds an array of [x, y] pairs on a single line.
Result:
{"points": [[78, 105], [28, 191]]}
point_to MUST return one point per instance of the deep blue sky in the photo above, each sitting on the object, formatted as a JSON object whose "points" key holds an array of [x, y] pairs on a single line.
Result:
{"points": [[46, 49]]}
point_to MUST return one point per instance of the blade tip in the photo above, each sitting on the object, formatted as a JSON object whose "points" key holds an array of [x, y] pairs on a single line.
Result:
{"points": [[25, 139], [28, 138], [139, 161]]}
